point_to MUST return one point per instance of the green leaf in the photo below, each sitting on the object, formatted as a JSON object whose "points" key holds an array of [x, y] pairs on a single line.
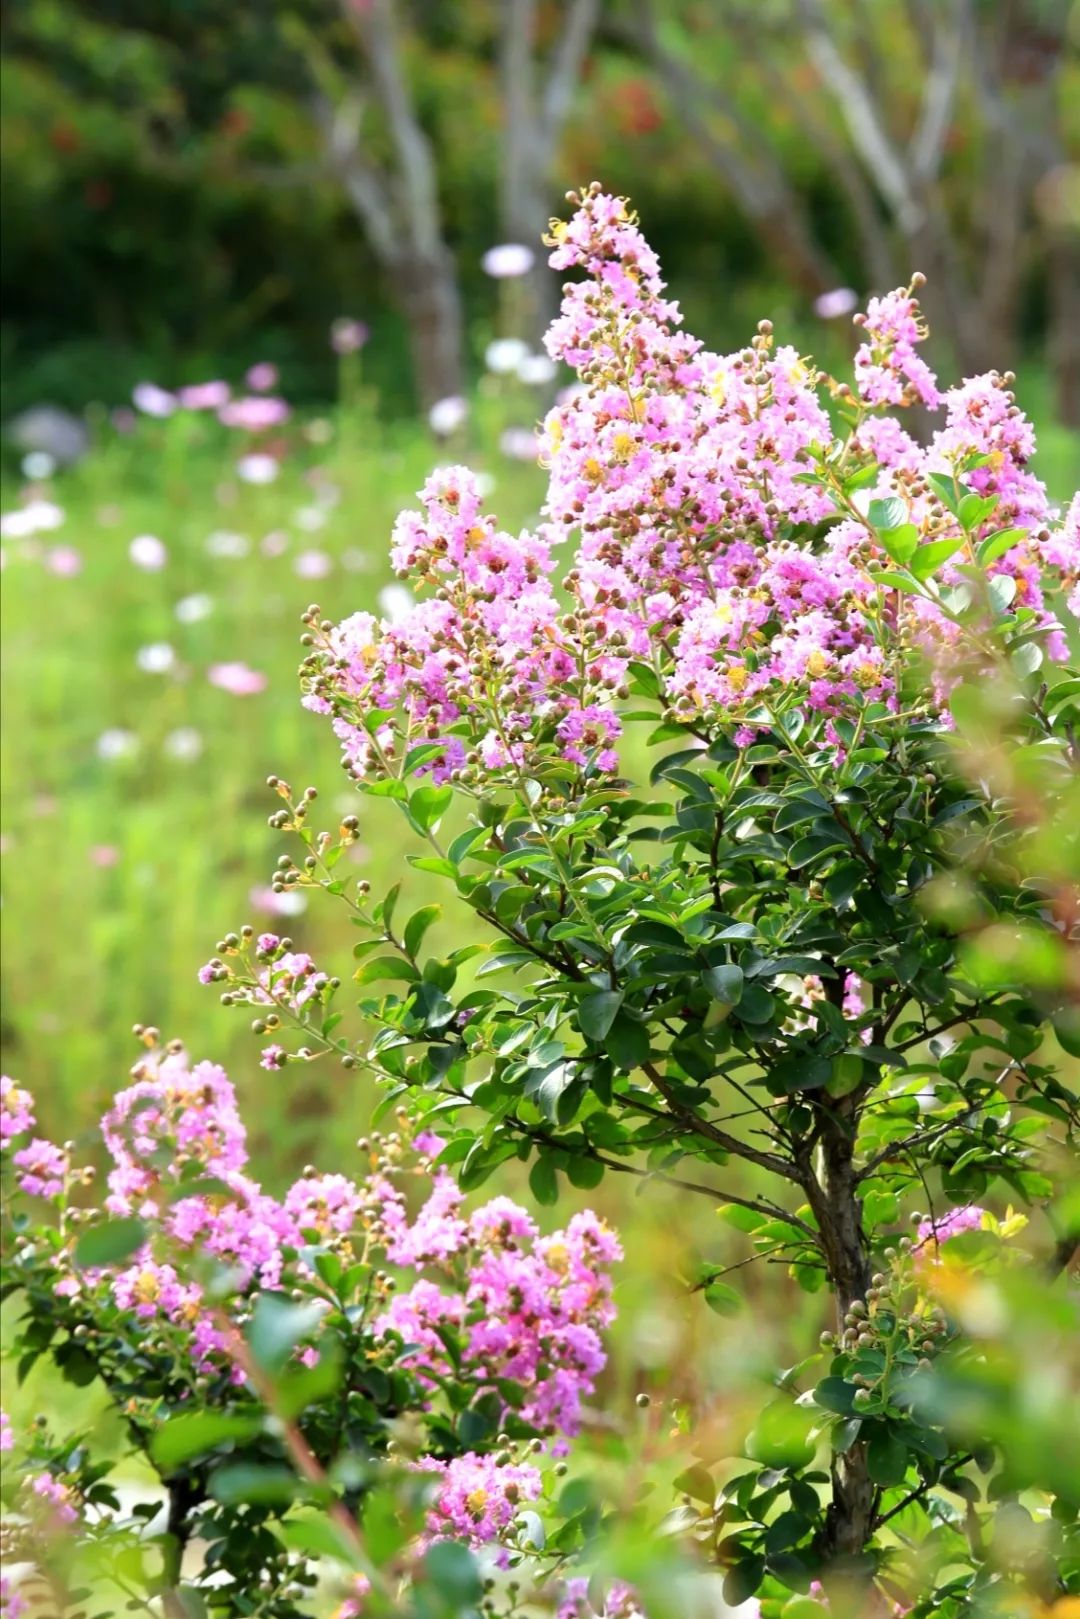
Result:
{"points": [[928, 558], [724, 984], [452, 1569], [723, 1299], [244, 1483], [417, 926], [901, 543], [428, 805], [834, 1394], [627, 1043], [597, 1012], [585, 1173], [192, 1433], [886, 1458], [995, 545], [277, 1326], [544, 1182], [108, 1243], [888, 513]]}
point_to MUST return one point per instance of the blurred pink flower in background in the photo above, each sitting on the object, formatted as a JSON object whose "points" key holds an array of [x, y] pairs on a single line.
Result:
{"points": [[254, 414], [204, 395], [508, 260], [266, 900], [236, 678], [152, 400], [123, 419], [313, 565], [348, 336], [64, 560], [257, 468], [519, 443], [262, 377], [148, 552], [104, 855], [840, 301]]}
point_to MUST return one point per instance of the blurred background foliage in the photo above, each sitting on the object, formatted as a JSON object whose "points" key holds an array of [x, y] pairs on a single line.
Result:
{"points": [[182, 183]]}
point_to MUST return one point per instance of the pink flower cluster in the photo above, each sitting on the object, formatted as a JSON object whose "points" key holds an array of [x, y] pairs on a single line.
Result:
{"points": [[16, 1110], [620, 1602], [478, 1497], [529, 1308], [533, 1308], [933, 1233], [714, 541]]}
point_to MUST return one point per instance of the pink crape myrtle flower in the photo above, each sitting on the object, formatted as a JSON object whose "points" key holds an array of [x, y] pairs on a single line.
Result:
{"points": [[16, 1110], [931, 1234], [7, 1438], [477, 1498], [42, 1168]]}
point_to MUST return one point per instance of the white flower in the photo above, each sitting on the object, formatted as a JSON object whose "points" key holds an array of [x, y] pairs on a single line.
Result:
{"points": [[257, 468], [840, 301], [33, 518], [536, 370], [508, 260], [184, 744], [116, 743], [396, 602], [310, 518], [447, 415], [38, 464], [505, 355], [224, 544], [152, 400], [313, 565], [191, 609], [156, 659], [148, 552], [519, 443]]}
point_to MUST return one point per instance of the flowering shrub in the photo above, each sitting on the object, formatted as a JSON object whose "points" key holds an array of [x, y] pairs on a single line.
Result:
{"points": [[237, 1332], [814, 961]]}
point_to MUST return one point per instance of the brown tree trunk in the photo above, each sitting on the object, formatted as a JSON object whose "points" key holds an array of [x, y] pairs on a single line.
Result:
{"points": [[426, 290], [849, 1518]]}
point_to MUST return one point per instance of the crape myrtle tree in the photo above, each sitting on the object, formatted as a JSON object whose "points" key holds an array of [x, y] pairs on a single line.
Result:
{"points": [[754, 953], [762, 815]]}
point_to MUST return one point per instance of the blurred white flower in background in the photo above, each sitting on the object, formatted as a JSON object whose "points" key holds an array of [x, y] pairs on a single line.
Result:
{"points": [[152, 400], [519, 443], [355, 561], [192, 609], [505, 355], [310, 518], [840, 301], [116, 743], [508, 260], [257, 468], [184, 744], [148, 552], [38, 464], [536, 370], [313, 565], [396, 602], [447, 415], [156, 659], [223, 543], [33, 518], [289, 903]]}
